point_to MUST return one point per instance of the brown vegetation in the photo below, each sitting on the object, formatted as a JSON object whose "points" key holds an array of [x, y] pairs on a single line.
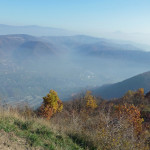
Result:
{"points": [[112, 125], [93, 123]]}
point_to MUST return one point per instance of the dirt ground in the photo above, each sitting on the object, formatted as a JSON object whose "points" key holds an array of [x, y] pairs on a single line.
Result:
{"points": [[9, 141]]}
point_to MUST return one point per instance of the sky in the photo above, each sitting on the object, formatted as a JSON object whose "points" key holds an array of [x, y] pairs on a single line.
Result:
{"points": [[92, 16]]}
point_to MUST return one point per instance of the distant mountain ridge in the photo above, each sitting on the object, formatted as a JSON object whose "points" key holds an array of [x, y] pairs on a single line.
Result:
{"points": [[80, 45], [33, 30], [21, 45], [119, 89]]}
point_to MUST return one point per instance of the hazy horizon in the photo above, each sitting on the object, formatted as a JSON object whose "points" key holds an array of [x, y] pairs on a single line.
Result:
{"points": [[139, 39], [120, 20]]}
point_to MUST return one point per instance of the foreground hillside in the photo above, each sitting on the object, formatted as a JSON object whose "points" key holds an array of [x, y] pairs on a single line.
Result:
{"points": [[17, 132], [85, 123]]}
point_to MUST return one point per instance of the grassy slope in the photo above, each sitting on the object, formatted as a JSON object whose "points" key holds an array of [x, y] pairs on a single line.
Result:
{"points": [[37, 133]]}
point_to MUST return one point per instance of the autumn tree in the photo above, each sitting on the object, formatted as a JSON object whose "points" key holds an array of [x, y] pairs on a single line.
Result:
{"points": [[132, 115], [90, 100], [134, 97], [51, 105]]}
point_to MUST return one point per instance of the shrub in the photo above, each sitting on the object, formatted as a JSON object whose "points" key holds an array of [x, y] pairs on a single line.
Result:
{"points": [[132, 114]]}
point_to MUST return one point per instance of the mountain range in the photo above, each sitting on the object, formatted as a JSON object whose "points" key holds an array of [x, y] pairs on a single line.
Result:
{"points": [[32, 65], [83, 45]]}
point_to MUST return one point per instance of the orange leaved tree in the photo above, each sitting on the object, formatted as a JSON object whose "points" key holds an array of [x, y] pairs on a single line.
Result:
{"points": [[132, 114], [51, 105]]}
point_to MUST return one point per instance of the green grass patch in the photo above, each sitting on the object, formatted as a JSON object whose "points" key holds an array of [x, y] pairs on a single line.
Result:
{"points": [[38, 134], [82, 141]]}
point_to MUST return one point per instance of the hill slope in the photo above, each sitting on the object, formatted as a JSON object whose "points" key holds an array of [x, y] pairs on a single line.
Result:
{"points": [[20, 133], [11, 45], [119, 89]]}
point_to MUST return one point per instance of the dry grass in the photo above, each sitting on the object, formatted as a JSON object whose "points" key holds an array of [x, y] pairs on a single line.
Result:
{"points": [[71, 129], [100, 130], [36, 133]]}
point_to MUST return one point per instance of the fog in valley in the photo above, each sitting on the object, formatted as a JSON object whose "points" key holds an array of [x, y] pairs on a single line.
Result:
{"points": [[31, 66]]}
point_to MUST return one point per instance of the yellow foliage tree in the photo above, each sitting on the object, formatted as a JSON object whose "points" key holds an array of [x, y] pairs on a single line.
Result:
{"points": [[51, 105], [90, 100]]}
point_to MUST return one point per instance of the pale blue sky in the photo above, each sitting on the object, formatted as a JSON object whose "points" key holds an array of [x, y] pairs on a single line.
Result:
{"points": [[79, 15]]}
